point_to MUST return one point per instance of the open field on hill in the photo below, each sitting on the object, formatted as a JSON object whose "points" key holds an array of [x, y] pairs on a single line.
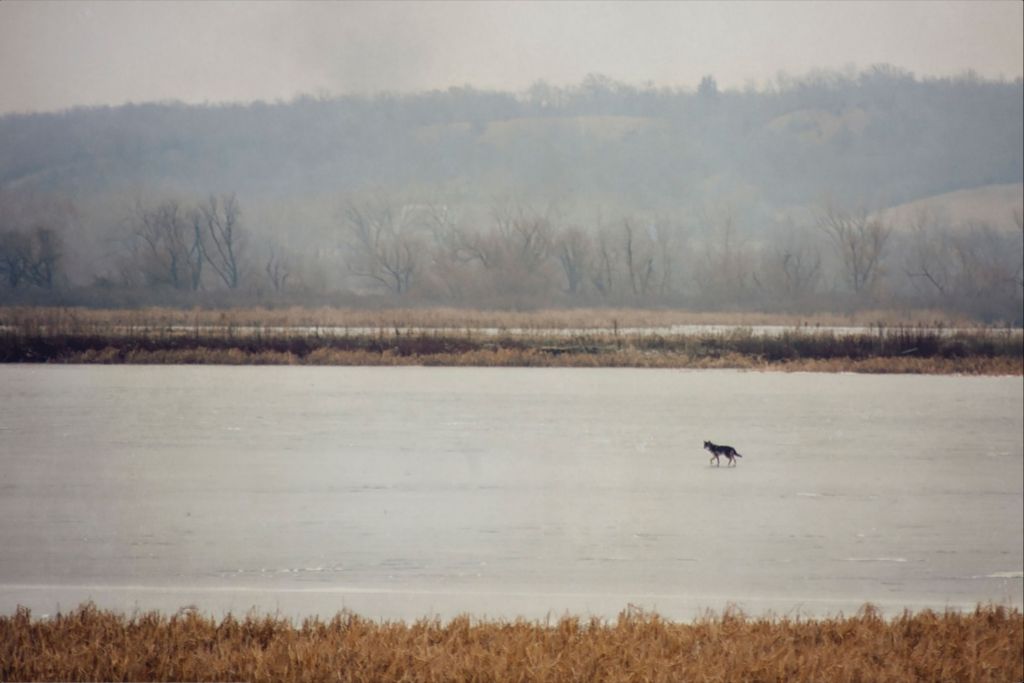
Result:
{"points": [[992, 204], [89, 644], [659, 339]]}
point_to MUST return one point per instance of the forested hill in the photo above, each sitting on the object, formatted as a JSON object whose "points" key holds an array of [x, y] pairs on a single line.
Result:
{"points": [[880, 136], [816, 193]]}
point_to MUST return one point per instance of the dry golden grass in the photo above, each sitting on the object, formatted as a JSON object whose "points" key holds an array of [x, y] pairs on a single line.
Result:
{"points": [[906, 366], [459, 318], [459, 338], [527, 358], [986, 645]]}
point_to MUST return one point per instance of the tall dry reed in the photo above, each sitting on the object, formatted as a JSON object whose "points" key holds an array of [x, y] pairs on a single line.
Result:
{"points": [[232, 337], [986, 645], [457, 318]]}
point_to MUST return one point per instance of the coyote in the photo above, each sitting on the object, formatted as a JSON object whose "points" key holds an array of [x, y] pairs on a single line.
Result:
{"points": [[728, 451]]}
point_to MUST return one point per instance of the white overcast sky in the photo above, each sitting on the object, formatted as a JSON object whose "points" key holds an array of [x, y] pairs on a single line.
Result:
{"points": [[55, 55]]}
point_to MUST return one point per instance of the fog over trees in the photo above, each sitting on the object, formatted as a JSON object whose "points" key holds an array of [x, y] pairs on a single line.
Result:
{"points": [[599, 194]]}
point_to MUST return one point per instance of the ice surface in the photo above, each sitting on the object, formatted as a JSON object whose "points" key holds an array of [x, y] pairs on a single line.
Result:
{"points": [[409, 492]]}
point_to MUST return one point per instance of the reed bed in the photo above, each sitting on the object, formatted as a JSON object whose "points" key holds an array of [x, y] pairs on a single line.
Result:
{"points": [[458, 318], [91, 644], [58, 336]]}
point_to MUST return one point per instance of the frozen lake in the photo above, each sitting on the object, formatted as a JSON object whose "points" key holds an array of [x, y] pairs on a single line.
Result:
{"points": [[410, 492]]}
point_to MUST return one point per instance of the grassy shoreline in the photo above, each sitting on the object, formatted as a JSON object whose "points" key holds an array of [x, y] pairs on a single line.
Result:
{"points": [[460, 318], [645, 339], [91, 644]]}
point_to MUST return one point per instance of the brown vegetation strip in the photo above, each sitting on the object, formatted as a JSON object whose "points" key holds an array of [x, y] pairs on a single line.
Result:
{"points": [[459, 318], [158, 337], [533, 358], [90, 644]]}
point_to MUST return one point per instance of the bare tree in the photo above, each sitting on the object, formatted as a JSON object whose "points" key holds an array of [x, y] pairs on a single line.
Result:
{"points": [[930, 255], [574, 249], [506, 259], [30, 259], [46, 251], [15, 253], [31, 239], [452, 251], [382, 242], [277, 268], [860, 241], [459, 244], [517, 253], [1018, 220], [987, 262], [723, 272], [800, 268], [524, 236], [975, 268], [603, 274], [790, 270], [669, 242], [222, 239], [638, 254], [168, 248]]}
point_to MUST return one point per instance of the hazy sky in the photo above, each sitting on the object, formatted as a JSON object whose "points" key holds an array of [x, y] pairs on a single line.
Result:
{"points": [[55, 55]]}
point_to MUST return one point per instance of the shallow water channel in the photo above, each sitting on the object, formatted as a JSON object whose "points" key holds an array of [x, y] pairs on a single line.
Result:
{"points": [[411, 492]]}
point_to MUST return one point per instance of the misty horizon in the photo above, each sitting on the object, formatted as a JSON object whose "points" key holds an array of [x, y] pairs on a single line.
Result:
{"points": [[56, 56], [713, 156], [592, 195], [768, 87]]}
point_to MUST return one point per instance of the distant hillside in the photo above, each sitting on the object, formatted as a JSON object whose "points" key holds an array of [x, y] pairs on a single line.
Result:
{"points": [[992, 204], [597, 194], [819, 125], [883, 137]]}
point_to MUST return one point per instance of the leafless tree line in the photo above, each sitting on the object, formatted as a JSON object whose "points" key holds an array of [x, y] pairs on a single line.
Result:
{"points": [[845, 258], [178, 246], [971, 267], [31, 241], [520, 255], [29, 259], [528, 254]]}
